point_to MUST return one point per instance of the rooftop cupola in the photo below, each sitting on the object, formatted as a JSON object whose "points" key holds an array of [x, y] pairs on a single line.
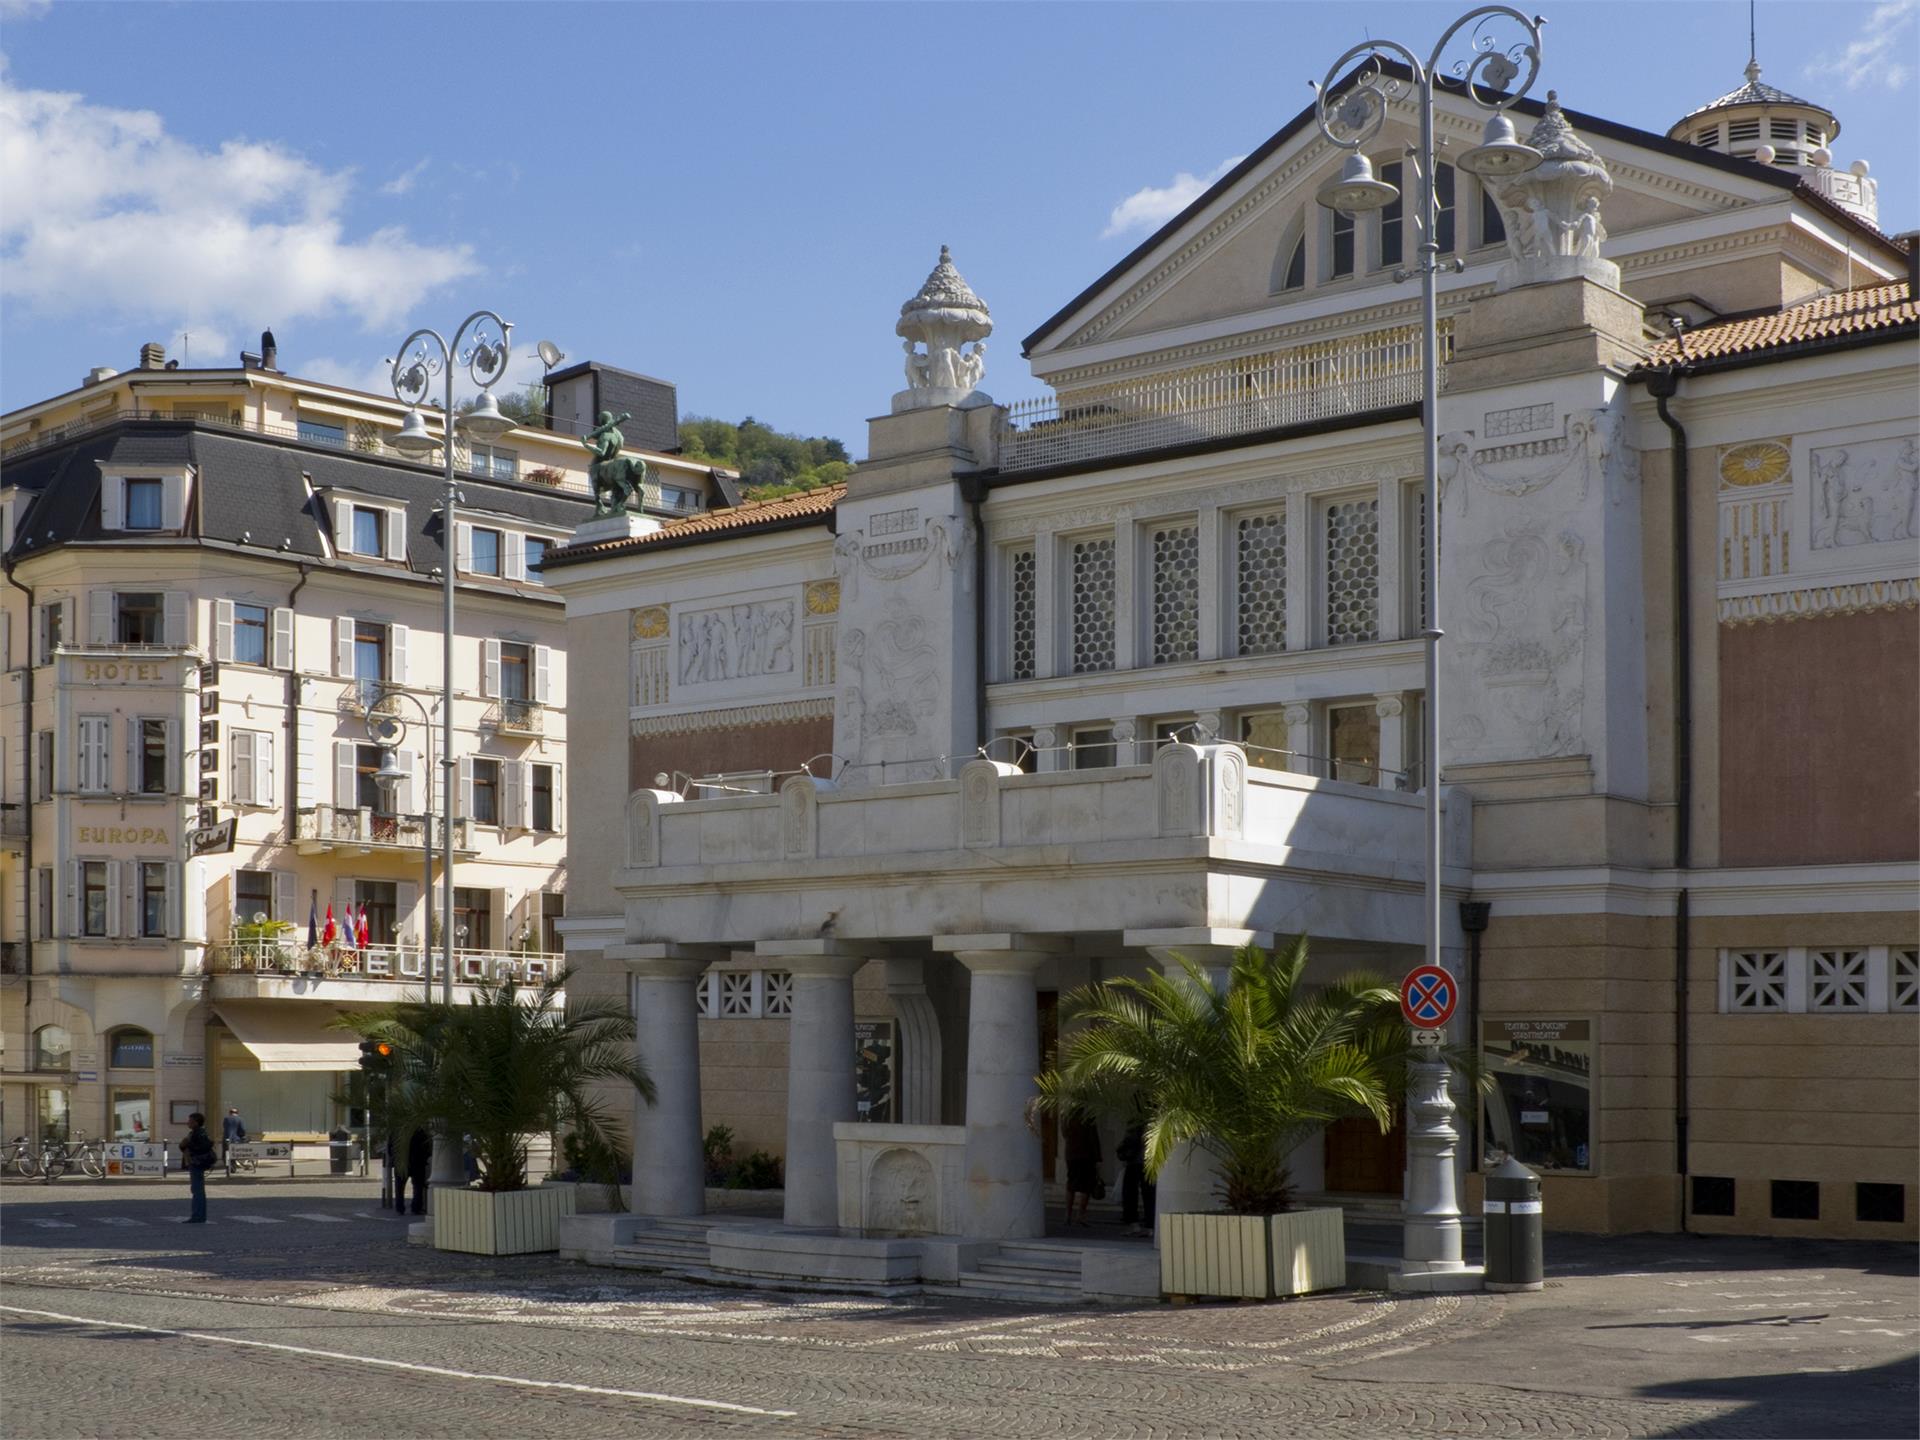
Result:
{"points": [[1763, 122]]}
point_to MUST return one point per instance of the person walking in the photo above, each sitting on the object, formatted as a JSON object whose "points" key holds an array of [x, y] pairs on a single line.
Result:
{"points": [[419, 1168], [233, 1131], [197, 1154], [1136, 1191], [1083, 1164]]}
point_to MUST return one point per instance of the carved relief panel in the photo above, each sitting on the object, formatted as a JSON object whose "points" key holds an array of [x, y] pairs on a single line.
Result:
{"points": [[735, 642]]}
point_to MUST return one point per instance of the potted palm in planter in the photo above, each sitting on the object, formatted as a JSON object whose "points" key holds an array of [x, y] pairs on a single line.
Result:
{"points": [[514, 1065], [1240, 1075]]}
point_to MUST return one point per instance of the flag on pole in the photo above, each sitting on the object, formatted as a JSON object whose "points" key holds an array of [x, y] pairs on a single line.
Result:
{"points": [[363, 925], [332, 932], [313, 922]]}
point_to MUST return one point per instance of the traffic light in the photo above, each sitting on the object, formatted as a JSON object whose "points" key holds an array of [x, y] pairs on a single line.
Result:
{"points": [[376, 1057]]}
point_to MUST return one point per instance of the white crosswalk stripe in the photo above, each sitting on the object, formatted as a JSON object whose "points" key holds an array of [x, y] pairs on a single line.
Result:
{"points": [[256, 1219], [315, 1215], [52, 1224], [124, 1221]]}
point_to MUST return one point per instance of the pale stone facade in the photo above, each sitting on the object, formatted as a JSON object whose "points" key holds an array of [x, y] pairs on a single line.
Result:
{"points": [[212, 573], [1134, 672]]}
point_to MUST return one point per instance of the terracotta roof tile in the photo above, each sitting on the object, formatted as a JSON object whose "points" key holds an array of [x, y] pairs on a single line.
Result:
{"points": [[737, 519], [1845, 312]]}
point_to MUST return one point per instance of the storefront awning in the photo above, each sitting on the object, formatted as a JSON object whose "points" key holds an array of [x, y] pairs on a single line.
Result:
{"points": [[290, 1036]]}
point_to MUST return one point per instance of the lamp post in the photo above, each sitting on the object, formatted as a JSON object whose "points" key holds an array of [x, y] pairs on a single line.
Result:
{"points": [[1351, 116], [482, 345], [388, 732]]}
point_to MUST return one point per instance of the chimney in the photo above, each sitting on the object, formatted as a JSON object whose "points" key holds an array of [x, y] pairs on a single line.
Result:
{"points": [[269, 352], [99, 373], [1911, 239], [153, 356]]}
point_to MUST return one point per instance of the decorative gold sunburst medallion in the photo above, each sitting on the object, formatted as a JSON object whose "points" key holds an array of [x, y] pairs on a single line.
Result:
{"points": [[650, 623], [1763, 462], [823, 597]]}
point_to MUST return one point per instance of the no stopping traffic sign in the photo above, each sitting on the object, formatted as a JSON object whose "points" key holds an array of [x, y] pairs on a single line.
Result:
{"points": [[1427, 997]]}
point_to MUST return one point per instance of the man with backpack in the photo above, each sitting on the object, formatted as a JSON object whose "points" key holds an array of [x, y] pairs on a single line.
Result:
{"points": [[198, 1155]]}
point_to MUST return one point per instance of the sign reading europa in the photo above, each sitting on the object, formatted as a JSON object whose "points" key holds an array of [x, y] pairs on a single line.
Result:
{"points": [[147, 835]]}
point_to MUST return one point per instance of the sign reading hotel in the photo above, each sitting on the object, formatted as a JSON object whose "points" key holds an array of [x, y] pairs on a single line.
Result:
{"points": [[124, 672]]}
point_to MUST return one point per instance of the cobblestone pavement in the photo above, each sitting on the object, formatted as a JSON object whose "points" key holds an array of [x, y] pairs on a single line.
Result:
{"points": [[301, 1312]]}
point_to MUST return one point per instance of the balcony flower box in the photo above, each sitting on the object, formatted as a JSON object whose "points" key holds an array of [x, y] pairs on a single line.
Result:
{"points": [[501, 1222]]}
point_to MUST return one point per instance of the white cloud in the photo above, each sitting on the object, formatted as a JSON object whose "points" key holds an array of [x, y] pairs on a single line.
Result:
{"points": [[18, 10], [130, 221], [1881, 55], [404, 182], [1153, 206]]}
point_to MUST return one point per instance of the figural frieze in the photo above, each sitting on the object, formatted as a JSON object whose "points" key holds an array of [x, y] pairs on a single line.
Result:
{"points": [[735, 642], [1867, 493]]}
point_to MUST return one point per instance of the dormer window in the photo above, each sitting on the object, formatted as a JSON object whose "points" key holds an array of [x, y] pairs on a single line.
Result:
{"points": [[367, 526], [485, 556], [145, 504]]}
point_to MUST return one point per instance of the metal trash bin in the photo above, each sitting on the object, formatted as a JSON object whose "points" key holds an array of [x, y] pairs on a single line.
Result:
{"points": [[340, 1152], [1513, 1220]]}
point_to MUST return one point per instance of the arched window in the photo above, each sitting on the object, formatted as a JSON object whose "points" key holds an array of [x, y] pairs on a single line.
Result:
{"points": [[1290, 260], [1296, 276], [130, 1048], [1391, 234], [1443, 230], [52, 1048]]}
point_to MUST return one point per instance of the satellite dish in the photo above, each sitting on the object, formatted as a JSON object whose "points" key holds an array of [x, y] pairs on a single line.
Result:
{"points": [[550, 354]]}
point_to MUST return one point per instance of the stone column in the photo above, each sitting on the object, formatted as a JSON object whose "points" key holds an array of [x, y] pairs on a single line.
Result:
{"points": [[1392, 711], [820, 1090], [1187, 1181], [669, 1167], [1005, 1198]]}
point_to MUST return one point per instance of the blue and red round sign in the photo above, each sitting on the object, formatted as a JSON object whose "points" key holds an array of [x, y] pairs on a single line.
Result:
{"points": [[1427, 997]]}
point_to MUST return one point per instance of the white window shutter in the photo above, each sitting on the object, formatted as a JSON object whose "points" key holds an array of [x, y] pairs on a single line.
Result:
{"points": [[559, 800], [346, 775], [463, 547], [397, 654], [113, 502], [179, 618], [133, 749], [69, 620], [172, 904], [173, 757], [343, 645], [342, 527], [43, 768], [281, 657], [489, 668], [516, 558], [406, 902], [173, 502], [396, 531], [466, 788], [285, 897], [41, 650], [543, 674], [37, 904], [100, 608], [262, 793], [240, 766], [116, 892], [518, 773], [76, 922], [223, 629], [403, 802]]}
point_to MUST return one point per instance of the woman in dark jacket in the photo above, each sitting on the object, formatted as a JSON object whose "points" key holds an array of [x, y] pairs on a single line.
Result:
{"points": [[1083, 1163]]}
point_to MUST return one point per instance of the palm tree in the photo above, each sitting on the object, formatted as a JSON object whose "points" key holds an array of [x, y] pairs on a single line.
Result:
{"points": [[1243, 1074], [514, 1064]]}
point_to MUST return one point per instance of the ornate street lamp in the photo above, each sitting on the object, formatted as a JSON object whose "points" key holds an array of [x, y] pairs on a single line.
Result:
{"points": [[1493, 76], [482, 345]]}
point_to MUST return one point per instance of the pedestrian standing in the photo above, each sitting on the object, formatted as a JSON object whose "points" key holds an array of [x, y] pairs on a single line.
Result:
{"points": [[233, 1131], [197, 1154], [1136, 1191], [1083, 1164], [419, 1169]]}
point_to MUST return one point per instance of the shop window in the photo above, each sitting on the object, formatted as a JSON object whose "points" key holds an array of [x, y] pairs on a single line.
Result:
{"points": [[1879, 1204], [130, 1049], [1712, 1195], [52, 1048], [55, 1112], [132, 1114], [1541, 1108], [1796, 1200]]}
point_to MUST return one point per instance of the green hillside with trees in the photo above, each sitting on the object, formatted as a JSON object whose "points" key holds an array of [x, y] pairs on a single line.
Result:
{"points": [[771, 462]]}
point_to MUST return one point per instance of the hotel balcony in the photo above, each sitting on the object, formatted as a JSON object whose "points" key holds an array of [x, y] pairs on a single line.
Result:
{"points": [[1377, 370], [292, 970], [515, 717], [319, 829]]}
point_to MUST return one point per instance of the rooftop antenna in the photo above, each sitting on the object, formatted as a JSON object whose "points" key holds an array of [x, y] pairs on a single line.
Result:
{"points": [[1753, 50]]}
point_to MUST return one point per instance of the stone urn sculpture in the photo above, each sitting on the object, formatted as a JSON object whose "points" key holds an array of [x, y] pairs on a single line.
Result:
{"points": [[944, 318], [1552, 212]]}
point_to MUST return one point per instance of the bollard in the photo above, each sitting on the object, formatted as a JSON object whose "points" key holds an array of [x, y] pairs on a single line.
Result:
{"points": [[1513, 1225]]}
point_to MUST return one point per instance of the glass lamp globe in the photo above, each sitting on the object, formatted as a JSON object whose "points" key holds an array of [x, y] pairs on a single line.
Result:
{"points": [[1500, 151], [414, 441], [1355, 189], [485, 422]]}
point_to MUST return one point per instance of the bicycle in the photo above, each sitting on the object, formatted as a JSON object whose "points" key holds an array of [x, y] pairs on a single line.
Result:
{"points": [[90, 1155], [23, 1159]]}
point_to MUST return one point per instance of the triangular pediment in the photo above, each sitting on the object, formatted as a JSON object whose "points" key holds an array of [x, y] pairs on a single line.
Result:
{"points": [[1224, 257]]}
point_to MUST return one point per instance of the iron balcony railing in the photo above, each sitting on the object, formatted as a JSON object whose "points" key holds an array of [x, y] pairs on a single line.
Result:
{"points": [[1377, 370], [401, 964], [340, 825], [515, 717]]}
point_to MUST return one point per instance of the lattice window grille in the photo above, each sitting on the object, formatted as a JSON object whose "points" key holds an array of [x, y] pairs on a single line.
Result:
{"points": [[703, 998], [1759, 980], [1093, 586], [1260, 562], [1023, 577], [1903, 980], [1353, 571], [736, 994], [1837, 980], [778, 992], [1176, 594]]}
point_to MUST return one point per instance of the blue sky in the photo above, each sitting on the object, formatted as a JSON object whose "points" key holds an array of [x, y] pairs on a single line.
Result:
{"points": [[734, 197]]}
